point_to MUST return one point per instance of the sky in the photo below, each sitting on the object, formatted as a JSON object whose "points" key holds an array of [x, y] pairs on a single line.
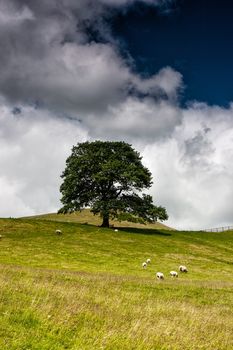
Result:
{"points": [[154, 73]]}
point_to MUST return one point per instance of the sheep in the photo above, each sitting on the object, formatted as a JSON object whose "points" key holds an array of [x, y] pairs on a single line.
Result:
{"points": [[173, 274], [116, 230], [144, 265], [183, 268], [148, 261], [160, 275], [58, 232]]}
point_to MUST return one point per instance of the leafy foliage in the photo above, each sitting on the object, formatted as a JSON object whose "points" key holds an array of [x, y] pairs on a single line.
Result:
{"points": [[108, 177]]}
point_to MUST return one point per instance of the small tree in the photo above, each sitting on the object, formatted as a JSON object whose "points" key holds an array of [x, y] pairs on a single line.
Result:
{"points": [[108, 177]]}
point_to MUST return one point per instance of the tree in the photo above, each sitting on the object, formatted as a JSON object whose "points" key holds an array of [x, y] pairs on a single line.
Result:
{"points": [[108, 177]]}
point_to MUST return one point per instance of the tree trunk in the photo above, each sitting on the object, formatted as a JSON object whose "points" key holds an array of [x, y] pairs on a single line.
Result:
{"points": [[105, 222]]}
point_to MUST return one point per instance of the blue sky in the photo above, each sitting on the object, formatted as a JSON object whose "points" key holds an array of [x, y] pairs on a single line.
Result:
{"points": [[154, 73], [193, 37]]}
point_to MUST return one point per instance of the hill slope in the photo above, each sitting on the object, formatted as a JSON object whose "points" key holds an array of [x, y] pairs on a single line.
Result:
{"points": [[86, 289], [86, 217]]}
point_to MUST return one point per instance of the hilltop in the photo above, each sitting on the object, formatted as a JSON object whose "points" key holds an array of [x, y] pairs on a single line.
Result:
{"points": [[86, 217]]}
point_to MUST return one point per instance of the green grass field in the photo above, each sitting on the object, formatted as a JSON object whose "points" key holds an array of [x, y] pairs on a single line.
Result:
{"points": [[86, 289]]}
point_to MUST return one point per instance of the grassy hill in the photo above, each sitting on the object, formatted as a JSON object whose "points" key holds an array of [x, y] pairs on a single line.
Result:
{"points": [[86, 217], [86, 289]]}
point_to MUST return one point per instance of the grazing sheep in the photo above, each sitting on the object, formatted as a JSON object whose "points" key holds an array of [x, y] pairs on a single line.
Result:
{"points": [[144, 265], [116, 230], [173, 273], [148, 261], [58, 232], [160, 275], [183, 268]]}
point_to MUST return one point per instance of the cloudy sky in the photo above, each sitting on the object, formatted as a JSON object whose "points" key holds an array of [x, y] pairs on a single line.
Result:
{"points": [[155, 73]]}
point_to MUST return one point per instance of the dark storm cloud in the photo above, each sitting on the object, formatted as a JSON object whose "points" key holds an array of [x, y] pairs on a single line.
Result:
{"points": [[47, 57]]}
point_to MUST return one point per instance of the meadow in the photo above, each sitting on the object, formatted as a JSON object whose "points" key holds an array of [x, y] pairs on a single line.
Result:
{"points": [[86, 288]]}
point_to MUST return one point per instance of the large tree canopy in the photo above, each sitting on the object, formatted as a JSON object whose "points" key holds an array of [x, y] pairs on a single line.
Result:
{"points": [[108, 177]]}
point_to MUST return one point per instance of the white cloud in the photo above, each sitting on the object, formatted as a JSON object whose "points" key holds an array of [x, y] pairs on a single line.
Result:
{"points": [[167, 82], [33, 149], [134, 118], [195, 183], [10, 203]]}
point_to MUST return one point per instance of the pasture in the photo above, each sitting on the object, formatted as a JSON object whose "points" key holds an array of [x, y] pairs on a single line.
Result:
{"points": [[86, 289]]}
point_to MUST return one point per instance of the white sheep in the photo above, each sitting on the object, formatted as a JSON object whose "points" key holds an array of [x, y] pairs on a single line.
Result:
{"points": [[144, 265], [173, 273], [58, 232], [116, 230], [160, 275], [148, 261], [183, 268]]}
